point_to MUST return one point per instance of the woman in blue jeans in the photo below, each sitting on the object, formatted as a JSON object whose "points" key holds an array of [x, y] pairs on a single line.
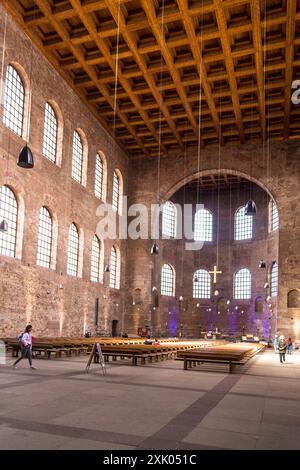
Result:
{"points": [[290, 346], [26, 347]]}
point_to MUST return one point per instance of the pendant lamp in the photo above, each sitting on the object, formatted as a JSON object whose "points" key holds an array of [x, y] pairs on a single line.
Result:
{"points": [[250, 208], [25, 159], [3, 226], [154, 249]]}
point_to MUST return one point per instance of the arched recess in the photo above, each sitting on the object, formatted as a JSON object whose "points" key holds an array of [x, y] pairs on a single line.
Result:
{"points": [[259, 304], [293, 298]]}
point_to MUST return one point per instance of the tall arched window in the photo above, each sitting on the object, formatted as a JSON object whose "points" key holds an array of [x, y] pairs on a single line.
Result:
{"points": [[73, 251], [14, 101], [242, 284], [115, 264], [273, 216], [274, 279], [167, 280], [203, 227], [117, 191], [50, 133], [77, 158], [100, 175], [97, 260], [243, 225], [169, 219], [201, 284], [45, 235], [9, 213]]}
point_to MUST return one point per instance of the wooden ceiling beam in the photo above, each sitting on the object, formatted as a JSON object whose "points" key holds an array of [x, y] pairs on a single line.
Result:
{"points": [[289, 56], [46, 9], [257, 41], [190, 31], [222, 24], [149, 10], [141, 62], [105, 51]]}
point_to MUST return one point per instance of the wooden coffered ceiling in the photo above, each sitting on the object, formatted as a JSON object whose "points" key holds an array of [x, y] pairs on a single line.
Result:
{"points": [[142, 79]]}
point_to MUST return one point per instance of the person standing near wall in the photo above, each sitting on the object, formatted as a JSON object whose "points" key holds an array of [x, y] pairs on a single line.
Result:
{"points": [[26, 347], [282, 349], [290, 346]]}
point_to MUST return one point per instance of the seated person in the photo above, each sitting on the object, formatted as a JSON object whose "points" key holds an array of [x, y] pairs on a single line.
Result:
{"points": [[148, 340], [156, 342]]}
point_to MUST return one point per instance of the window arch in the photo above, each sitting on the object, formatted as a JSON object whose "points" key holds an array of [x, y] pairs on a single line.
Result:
{"points": [[243, 225], [274, 279], [9, 213], [242, 284], [117, 191], [45, 238], [203, 226], [100, 176], [50, 133], [169, 219], [273, 216], [201, 284], [73, 251], [167, 280], [14, 101], [97, 259], [115, 265]]}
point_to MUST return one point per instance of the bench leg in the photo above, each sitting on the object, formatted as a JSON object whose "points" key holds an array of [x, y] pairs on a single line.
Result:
{"points": [[230, 367], [185, 364]]}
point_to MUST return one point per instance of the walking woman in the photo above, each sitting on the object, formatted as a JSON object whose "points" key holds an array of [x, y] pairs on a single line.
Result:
{"points": [[26, 347]]}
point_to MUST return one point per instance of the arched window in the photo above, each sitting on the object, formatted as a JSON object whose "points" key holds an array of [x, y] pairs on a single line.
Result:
{"points": [[117, 191], [274, 279], [97, 259], [44, 238], [243, 225], [73, 251], [50, 133], [14, 101], [77, 158], [115, 263], [273, 216], [8, 213], [203, 229], [169, 219], [242, 284], [100, 176], [201, 284], [167, 280]]}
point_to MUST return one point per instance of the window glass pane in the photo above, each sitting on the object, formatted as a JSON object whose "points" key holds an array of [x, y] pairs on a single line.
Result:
{"points": [[168, 219], [203, 226], [77, 158], [50, 134], [44, 238], [243, 225], [202, 284], [73, 251], [167, 280], [9, 213], [242, 284], [99, 177], [14, 98]]}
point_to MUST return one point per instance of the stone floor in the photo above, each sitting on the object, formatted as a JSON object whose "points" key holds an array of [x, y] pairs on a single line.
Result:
{"points": [[157, 406]]}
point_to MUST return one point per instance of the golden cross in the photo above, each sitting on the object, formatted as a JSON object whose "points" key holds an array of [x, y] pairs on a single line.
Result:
{"points": [[215, 272]]}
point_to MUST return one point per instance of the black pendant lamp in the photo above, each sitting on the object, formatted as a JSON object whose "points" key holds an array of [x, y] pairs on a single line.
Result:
{"points": [[25, 159], [3, 226], [107, 268], [250, 208], [154, 249], [262, 264]]}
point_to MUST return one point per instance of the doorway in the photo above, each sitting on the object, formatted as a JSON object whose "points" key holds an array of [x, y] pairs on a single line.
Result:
{"points": [[114, 328]]}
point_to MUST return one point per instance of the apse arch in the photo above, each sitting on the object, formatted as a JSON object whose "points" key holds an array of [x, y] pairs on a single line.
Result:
{"points": [[214, 171]]}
